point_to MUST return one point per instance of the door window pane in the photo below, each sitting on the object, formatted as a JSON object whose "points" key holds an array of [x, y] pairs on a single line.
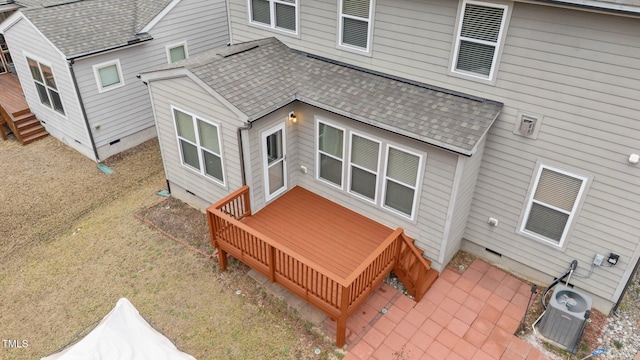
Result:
{"points": [[276, 177]]}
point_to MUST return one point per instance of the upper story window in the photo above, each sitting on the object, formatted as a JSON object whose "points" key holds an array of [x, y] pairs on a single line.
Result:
{"points": [[330, 153], [355, 24], [479, 39], [108, 75], [177, 52], [276, 14], [552, 204], [46, 85], [200, 146]]}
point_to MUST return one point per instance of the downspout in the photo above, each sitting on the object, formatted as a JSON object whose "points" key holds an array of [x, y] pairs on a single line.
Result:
{"points": [[243, 172], [84, 111]]}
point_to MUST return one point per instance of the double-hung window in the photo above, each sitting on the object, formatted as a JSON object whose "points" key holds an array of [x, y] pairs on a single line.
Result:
{"points": [[199, 144], [401, 181], [364, 162], [276, 14], [330, 153], [355, 24], [479, 39], [108, 75], [46, 85], [552, 205]]}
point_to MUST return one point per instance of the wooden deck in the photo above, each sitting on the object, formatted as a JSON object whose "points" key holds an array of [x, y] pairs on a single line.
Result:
{"points": [[320, 230], [15, 112], [328, 255]]}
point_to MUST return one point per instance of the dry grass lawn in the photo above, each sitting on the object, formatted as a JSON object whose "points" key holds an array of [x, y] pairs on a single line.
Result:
{"points": [[70, 247]]}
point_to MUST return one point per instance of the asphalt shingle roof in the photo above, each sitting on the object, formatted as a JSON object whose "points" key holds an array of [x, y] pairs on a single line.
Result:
{"points": [[81, 27], [261, 76]]}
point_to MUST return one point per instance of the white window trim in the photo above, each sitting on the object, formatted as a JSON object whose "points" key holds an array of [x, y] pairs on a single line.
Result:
{"points": [[318, 152], [169, 47], [491, 79], [265, 162], [50, 66], [370, 22], [202, 171], [572, 215], [272, 15], [417, 188], [377, 173], [97, 67]]}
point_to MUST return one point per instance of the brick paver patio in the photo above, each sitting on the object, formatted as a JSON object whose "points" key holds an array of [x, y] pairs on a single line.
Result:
{"points": [[470, 316]]}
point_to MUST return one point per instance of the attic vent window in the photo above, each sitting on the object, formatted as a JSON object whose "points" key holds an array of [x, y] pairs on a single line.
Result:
{"points": [[527, 125]]}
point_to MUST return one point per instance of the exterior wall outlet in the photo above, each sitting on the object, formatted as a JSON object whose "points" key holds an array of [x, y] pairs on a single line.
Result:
{"points": [[597, 261], [492, 221], [613, 259]]}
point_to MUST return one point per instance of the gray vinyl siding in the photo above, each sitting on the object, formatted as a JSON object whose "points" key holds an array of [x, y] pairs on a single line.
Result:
{"points": [[464, 192], [436, 178], [127, 110], [578, 69], [588, 95], [186, 95], [254, 158], [24, 40]]}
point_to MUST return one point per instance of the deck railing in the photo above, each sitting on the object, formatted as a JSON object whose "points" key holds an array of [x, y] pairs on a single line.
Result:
{"points": [[335, 295]]}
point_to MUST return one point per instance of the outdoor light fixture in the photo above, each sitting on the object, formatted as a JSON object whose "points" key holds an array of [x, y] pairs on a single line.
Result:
{"points": [[292, 117]]}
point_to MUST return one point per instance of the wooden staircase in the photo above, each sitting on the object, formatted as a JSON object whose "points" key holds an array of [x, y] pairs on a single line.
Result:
{"points": [[15, 113], [413, 269], [24, 125]]}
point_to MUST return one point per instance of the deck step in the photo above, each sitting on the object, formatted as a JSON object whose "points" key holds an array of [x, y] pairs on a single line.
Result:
{"points": [[431, 278], [34, 136], [27, 123], [19, 113], [27, 127]]}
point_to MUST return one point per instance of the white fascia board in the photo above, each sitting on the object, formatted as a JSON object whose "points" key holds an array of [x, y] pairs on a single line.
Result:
{"points": [[180, 72], [160, 16]]}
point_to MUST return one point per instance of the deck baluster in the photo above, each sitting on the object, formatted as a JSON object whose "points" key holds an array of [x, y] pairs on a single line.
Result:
{"points": [[337, 296]]}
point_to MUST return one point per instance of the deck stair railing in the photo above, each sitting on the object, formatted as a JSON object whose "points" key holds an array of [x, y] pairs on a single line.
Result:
{"points": [[337, 296]]}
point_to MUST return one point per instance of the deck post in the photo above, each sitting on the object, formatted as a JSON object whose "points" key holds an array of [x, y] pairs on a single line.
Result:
{"points": [[341, 327], [222, 259]]}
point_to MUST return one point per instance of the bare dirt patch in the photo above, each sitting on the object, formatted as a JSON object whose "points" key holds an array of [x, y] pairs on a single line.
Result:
{"points": [[181, 222], [71, 247]]}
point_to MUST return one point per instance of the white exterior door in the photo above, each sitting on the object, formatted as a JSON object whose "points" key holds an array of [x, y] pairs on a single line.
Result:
{"points": [[275, 161]]}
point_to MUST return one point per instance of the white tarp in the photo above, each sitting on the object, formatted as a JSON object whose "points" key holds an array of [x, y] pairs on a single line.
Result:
{"points": [[124, 335]]}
